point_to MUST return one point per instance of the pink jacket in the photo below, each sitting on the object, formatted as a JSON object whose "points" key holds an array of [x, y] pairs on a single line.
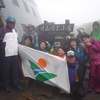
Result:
{"points": [[94, 51]]}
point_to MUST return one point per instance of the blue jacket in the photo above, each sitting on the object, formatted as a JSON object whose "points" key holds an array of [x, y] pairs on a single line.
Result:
{"points": [[80, 54], [75, 68]]}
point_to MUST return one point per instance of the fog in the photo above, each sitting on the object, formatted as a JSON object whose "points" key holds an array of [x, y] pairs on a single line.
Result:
{"points": [[77, 11]]}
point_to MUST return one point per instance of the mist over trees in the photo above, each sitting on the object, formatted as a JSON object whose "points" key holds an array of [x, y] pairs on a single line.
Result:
{"points": [[87, 27]]}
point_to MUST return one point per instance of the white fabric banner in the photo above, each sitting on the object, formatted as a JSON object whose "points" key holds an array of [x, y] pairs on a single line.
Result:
{"points": [[45, 67]]}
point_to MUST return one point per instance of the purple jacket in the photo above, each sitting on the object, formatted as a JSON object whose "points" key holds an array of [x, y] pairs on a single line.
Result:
{"points": [[94, 52]]}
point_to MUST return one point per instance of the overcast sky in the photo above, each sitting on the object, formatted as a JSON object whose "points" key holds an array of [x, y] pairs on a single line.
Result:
{"points": [[77, 11]]}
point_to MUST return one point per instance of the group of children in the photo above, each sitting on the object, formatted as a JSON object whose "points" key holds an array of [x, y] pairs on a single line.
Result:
{"points": [[76, 57]]}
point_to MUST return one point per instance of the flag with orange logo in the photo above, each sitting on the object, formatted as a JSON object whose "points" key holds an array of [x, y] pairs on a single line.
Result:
{"points": [[45, 67]]}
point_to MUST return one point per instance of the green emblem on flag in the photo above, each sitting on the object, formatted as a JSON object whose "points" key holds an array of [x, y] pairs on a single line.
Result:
{"points": [[41, 74]]}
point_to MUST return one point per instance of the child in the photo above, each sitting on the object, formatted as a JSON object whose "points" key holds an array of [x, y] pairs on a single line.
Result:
{"points": [[28, 42], [79, 52], [43, 46], [92, 48], [78, 49], [76, 74], [61, 52]]}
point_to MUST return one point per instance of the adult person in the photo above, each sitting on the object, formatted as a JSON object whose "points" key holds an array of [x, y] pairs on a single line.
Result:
{"points": [[9, 70], [31, 32], [96, 30]]}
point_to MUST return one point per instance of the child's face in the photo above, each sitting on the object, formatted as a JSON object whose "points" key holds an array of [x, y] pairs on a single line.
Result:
{"points": [[73, 44], [71, 59], [86, 40], [42, 45], [27, 42], [61, 52]]}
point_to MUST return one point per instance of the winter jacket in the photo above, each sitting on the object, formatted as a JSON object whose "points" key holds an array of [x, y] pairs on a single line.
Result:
{"points": [[94, 51], [44, 50], [96, 34], [80, 54], [9, 41], [72, 68]]}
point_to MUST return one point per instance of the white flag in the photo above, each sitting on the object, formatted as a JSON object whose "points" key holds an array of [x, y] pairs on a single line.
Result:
{"points": [[45, 67]]}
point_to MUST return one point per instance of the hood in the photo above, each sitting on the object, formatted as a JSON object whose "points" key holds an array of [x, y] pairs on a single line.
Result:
{"points": [[10, 18]]}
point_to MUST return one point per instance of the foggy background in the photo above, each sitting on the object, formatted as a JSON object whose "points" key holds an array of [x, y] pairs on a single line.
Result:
{"points": [[80, 12]]}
